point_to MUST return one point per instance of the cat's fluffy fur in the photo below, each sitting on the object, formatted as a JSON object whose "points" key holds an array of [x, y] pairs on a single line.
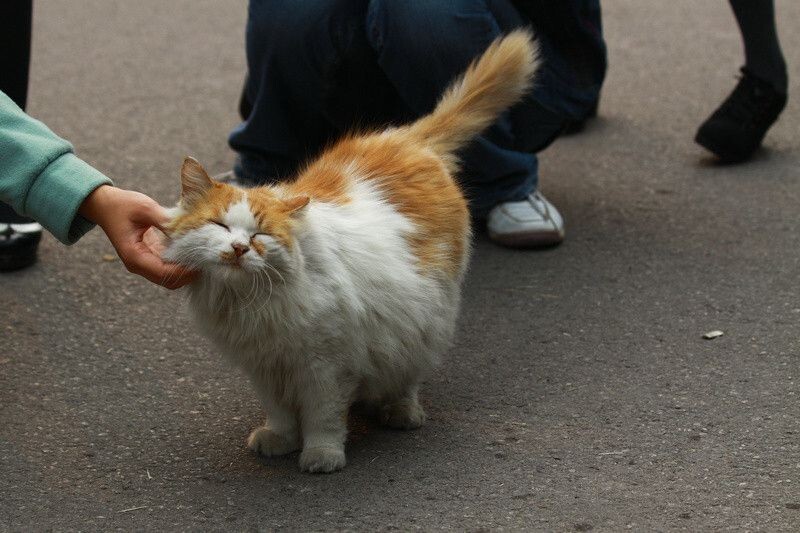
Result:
{"points": [[344, 284]]}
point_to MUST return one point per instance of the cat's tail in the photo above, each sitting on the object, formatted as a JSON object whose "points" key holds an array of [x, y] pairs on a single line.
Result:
{"points": [[491, 84]]}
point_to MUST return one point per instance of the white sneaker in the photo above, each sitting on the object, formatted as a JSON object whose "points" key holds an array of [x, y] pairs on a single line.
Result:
{"points": [[531, 223]]}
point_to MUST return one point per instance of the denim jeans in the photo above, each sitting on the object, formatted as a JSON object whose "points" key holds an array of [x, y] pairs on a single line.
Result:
{"points": [[320, 68]]}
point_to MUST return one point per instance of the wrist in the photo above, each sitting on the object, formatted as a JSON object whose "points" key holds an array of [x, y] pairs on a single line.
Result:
{"points": [[96, 204]]}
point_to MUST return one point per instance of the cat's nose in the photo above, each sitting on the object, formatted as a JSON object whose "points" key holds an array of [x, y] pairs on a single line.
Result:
{"points": [[240, 249]]}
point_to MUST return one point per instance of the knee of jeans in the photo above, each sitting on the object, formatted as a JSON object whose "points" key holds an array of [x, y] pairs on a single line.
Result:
{"points": [[409, 25], [263, 15], [454, 29], [270, 21]]}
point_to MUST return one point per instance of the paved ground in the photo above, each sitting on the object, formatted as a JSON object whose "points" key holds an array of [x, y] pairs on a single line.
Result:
{"points": [[580, 393]]}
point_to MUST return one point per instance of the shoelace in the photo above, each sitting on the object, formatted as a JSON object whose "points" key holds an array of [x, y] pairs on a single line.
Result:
{"points": [[538, 204]]}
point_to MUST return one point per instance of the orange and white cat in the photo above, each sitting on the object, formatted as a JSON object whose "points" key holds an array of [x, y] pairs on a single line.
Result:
{"points": [[344, 284]]}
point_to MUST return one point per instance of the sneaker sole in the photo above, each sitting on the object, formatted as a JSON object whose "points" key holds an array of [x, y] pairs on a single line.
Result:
{"points": [[528, 240]]}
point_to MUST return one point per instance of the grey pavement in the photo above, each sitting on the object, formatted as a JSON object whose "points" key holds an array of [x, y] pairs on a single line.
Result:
{"points": [[580, 393]]}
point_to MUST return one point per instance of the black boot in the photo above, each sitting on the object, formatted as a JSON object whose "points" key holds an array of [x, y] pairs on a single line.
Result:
{"points": [[735, 130]]}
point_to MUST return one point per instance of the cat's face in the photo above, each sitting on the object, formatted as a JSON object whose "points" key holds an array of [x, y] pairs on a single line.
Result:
{"points": [[229, 232]]}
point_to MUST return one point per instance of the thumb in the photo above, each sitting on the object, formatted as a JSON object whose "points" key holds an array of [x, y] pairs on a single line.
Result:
{"points": [[155, 215]]}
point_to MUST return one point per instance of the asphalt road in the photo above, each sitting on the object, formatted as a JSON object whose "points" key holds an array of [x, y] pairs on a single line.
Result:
{"points": [[580, 393]]}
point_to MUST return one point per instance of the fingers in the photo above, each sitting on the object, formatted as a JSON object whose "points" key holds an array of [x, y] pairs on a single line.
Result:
{"points": [[176, 276], [140, 260], [145, 211], [158, 216], [154, 239]]}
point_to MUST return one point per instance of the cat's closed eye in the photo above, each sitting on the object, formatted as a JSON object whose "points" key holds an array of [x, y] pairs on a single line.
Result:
{"points": [[220, 224]]}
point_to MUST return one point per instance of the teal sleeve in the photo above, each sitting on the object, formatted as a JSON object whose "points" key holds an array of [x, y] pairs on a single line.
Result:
{"points": [[40, 176]]}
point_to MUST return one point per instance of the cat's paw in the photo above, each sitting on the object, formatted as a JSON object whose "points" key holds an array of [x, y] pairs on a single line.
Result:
{"points": [[322, 459], [266, 442], [403, 415]]}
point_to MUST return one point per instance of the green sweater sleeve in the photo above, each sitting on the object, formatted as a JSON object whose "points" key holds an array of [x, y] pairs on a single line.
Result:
{"points": [[41, 177]]}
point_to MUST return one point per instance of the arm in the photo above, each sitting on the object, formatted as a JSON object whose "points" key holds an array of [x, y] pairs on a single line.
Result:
{"points": [[41, 178]]}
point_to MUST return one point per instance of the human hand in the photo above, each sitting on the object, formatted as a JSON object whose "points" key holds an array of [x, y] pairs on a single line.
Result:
{"points": [[126, 217]]}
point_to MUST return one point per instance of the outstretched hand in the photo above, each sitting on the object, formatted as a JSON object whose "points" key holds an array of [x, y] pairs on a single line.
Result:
{"points": [[126, 217]]}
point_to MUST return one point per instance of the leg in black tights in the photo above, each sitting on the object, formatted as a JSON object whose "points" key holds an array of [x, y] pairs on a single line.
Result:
{"points": [[735, 130], [762, 50]]}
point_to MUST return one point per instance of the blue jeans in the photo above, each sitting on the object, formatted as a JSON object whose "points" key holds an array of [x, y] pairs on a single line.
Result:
{"points": [[321, 68]]}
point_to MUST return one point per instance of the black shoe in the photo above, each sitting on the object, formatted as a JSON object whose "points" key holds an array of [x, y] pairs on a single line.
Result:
{"points": [[735, 130], [18, 245]]}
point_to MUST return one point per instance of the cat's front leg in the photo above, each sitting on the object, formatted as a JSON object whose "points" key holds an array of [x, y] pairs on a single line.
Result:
{"points": [[280, 434], [324, 425]]}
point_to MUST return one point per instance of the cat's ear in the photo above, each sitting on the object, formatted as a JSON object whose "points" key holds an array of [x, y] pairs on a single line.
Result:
{"points": [[296, 203], [195, 181]]}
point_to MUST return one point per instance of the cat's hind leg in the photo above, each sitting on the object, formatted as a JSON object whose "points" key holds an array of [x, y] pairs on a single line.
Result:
{"points": [[404, 412], [280, 434]]}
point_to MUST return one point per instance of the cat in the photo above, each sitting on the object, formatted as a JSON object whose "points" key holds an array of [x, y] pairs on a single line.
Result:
{"points": [[344, 284]]}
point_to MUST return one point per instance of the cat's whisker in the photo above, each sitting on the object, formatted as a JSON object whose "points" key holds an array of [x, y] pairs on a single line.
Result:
{"points": [[190, 259], [269, 296], [249, 297], [265, 280], [252, 294], [180, 259], [283, 280]]}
